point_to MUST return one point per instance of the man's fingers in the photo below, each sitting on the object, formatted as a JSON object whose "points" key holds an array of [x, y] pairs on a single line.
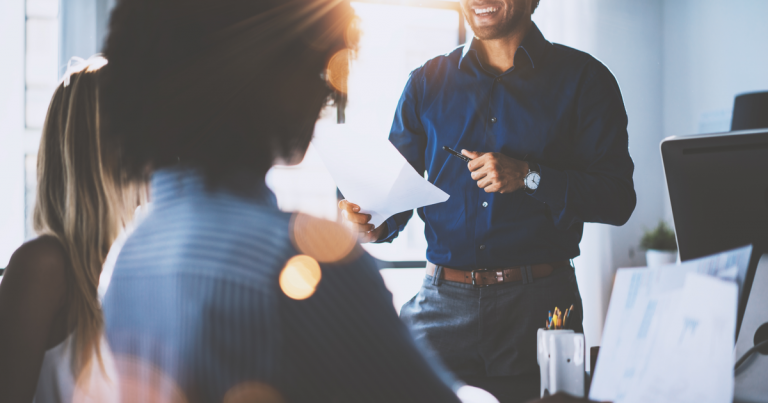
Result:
{"points": [[485, 182], [350, 212], [366, 237], [347, 206], [364, 227], [479, 174], [482, 172], [358, 228], [356, 218], [372, 235], [471, 154], [477, 163]]}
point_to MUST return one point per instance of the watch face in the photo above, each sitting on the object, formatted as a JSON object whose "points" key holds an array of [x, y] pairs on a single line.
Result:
{"points": [[532, 180]]}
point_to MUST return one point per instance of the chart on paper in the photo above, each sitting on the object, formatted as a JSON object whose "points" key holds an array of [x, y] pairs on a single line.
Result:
{"points": [[642, 302]]}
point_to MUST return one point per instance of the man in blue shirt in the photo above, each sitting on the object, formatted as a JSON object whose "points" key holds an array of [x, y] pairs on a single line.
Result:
{"points": [[546, 129]]}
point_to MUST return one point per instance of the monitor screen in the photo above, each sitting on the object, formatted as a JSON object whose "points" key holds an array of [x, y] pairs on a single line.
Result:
{"points": [[718, 187]]}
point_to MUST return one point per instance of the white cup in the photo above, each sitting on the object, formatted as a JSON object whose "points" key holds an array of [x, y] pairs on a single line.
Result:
{"points": [[560, 354]]}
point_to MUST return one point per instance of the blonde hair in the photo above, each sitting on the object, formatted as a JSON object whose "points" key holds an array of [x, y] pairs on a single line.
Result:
{"points": [[83, 199]]}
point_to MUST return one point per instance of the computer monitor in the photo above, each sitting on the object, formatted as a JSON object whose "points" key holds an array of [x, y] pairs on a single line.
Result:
{"points": [[718, 186]]}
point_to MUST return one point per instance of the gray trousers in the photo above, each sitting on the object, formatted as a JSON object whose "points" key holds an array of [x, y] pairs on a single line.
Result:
{"points": [[488, 333]]}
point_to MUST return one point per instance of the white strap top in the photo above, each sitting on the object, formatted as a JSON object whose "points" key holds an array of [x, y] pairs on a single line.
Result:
{"points": [[56, 383]]}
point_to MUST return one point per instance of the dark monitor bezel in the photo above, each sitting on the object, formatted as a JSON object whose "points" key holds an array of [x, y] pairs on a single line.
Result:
{"points": [[669, 148]]}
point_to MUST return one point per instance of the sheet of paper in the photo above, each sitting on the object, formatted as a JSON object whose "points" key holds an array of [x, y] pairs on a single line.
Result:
{"points": [[691, 358], [640, 301], [373, 174]]}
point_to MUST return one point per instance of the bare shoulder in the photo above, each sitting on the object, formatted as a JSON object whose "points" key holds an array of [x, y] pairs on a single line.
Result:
{"points": [[39, 264]]}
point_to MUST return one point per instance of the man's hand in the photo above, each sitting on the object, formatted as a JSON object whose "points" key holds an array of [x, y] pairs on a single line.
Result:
{"points": [[496, 172], [359, 222]]}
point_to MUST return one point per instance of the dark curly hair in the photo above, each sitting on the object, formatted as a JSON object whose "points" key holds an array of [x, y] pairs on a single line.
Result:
{"points": [[222, 86]]}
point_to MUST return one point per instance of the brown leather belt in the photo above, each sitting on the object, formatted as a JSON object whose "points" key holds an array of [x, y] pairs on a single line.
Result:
{"points": [[486, 277]]}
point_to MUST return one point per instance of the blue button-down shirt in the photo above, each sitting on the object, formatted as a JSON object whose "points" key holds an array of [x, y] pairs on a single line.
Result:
{"points": [[558, 107]]}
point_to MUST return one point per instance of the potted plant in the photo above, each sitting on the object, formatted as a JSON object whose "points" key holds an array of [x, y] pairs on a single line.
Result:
{"points": [[660, 245]]}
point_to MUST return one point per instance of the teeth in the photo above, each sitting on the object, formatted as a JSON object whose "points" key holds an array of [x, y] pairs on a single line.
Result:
{"points": [[487, 10]]}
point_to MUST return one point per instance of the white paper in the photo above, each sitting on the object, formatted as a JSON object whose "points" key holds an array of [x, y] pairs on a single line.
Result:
{"points": [[641, 301], [692, 358], [373, 174]]}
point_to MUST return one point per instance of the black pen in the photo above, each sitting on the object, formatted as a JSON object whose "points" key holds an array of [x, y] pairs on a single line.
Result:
{"points": [[457, 154]]}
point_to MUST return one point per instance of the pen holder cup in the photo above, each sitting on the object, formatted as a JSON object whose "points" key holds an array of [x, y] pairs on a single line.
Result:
{"points": [[560, 354]]}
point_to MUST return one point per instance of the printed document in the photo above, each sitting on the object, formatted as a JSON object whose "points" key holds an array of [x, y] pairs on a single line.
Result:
{"points": [[642, 303], [376, 176], [692, 358]]}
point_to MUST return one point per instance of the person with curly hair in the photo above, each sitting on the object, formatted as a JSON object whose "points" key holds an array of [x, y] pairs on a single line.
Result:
{"points": [[218, 295]]}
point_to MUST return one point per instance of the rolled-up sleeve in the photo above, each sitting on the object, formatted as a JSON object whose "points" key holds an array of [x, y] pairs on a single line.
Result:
{"points": [[599, 188]]}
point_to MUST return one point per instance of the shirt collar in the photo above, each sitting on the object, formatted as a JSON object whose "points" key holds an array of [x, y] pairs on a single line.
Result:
{"points": [[533, 46], [169, 184]]}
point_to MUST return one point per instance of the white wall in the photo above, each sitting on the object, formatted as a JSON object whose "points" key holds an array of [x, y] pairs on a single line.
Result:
{"points": [[713, 50], [12, 18], [679, 64], [626, 35]]}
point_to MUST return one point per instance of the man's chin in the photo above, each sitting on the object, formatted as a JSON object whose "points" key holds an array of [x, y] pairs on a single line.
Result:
{"points": [[490, 33], [499, 30]]}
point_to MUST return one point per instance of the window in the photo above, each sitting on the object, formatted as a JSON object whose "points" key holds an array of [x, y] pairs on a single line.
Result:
{"points": [[395, 40], [397, 37], [41, 76]]}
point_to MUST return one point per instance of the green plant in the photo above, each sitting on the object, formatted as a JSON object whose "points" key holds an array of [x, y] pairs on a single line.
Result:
{"points": [[660, 238]]}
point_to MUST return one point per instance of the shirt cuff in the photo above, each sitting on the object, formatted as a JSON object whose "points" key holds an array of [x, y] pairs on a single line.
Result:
{"points": [[392, 230], [553, 186]]}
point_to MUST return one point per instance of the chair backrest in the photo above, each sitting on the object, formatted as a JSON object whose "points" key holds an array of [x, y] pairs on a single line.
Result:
{"points": [[750, 111]]}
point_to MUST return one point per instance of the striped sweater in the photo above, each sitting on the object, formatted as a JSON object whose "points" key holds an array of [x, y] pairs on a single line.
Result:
{"points": [[209, 302]]}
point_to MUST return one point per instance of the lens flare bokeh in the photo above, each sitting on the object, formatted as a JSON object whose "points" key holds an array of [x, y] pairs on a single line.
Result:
{"points": [[300, 277], [253, 392], [325, 241]]}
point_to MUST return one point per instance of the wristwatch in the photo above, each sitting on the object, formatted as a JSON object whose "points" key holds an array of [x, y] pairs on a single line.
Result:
{"points": [[533, 178]]}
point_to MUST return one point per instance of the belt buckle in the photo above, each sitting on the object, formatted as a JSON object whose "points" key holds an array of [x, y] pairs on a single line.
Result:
{"points": [[474, 284]]}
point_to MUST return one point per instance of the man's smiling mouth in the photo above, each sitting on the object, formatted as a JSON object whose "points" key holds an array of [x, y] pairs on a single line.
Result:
{"points": [[485, 10]]}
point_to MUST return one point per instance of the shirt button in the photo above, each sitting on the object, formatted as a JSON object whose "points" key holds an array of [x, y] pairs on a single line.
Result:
{"points": [[498, 79], [482, 247], [493, 120], [485, 204]]}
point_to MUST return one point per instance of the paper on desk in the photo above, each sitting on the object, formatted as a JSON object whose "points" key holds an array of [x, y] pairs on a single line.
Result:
{"points": [[376, 177], [640, 301], [691, 358]]}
